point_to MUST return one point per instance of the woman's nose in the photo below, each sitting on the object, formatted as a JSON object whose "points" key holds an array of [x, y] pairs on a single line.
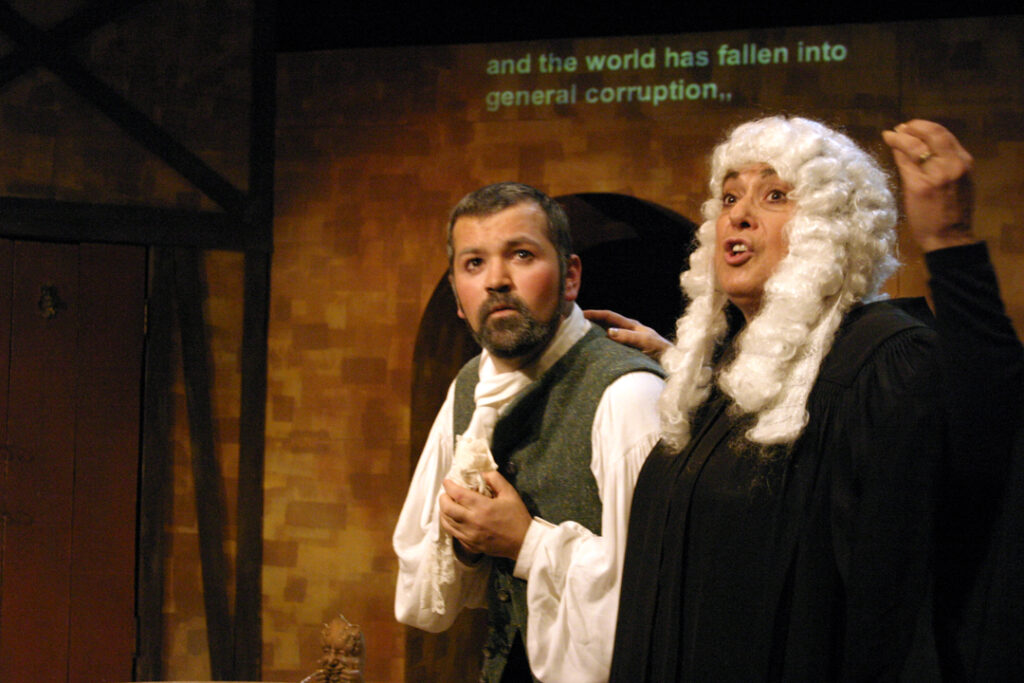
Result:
{"points": [[740, 212]]}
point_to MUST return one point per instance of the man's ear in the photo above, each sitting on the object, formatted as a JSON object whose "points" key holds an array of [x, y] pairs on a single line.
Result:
{"points": [[455, 293], [573, 274]]}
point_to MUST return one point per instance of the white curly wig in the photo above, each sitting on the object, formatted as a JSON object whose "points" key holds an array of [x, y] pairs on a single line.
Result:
{"points": [[842, 244]]}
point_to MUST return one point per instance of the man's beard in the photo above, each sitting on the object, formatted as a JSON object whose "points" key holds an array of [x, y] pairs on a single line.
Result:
{"points": [[513, 336]]}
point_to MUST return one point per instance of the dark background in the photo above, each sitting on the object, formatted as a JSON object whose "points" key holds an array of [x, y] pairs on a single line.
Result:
{"points": [[312, 25]]}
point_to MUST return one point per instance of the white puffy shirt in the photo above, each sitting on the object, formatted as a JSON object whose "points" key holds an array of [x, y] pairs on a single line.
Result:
{"points": [[573, 575]]}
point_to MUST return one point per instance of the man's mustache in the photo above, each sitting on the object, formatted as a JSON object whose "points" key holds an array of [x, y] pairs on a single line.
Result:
{"points": [[500, 301]]}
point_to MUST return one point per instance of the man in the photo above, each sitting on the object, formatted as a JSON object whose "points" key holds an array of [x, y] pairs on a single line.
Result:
{"points": [[567, 417]]}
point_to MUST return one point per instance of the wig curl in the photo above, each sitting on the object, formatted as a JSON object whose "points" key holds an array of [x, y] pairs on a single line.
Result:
{"points": [[842, 244]]}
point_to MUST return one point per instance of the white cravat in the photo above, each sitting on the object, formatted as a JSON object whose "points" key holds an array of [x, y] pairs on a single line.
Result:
{"points": [[473, 458]]}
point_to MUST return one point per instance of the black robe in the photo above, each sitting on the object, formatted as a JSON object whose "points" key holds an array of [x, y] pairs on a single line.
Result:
{"points": [[813, 564], [980, 573]]}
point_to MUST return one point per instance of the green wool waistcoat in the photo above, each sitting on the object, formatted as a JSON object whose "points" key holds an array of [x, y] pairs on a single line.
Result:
{"points": [[542, 445]]}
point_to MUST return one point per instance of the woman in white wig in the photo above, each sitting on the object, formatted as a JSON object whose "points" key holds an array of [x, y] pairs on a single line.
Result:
{"points": [[781, 529]]}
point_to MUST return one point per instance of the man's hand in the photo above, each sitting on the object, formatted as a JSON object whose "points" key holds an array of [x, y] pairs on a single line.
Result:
{"points": [[629, 332], [936, 175], [492, 526]]}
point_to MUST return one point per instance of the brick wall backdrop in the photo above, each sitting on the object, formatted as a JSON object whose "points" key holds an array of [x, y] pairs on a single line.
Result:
{"points": [[374, 147]]}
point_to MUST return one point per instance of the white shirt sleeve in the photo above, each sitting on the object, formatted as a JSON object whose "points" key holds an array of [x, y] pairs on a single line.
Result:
{"points": [[573, 576], [417, 528]]}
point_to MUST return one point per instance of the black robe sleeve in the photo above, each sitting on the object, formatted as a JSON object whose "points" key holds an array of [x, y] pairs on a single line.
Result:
{"points": [[980, 577]]}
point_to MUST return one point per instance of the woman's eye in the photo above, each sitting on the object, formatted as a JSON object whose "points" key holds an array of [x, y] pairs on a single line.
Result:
{"points": [[777, 196], [729, 199], [523, 254]]}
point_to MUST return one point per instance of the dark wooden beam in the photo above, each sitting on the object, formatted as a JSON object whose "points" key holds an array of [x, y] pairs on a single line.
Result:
{"points": [[47, 219], [66, 33], [206, 472], [252, 417], [54, 57], [263, 120], [252, 423], [155, 467]]}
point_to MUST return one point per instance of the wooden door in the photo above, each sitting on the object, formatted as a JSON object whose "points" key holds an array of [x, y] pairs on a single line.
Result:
{"points": [[71, 344]]}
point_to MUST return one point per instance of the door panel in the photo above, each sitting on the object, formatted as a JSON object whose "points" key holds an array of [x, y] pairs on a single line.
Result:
{"points": [[74, 340], [40, 472], [102, 620]]}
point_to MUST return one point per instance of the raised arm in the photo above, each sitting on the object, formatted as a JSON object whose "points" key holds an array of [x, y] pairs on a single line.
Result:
{"points": [[982, 363]]}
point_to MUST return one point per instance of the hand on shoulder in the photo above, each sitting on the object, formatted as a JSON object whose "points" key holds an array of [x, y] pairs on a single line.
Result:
{"points": [[629, 332]]}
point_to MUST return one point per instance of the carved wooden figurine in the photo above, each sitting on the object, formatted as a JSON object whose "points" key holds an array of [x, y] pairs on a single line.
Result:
{"points": [[344, 653]]}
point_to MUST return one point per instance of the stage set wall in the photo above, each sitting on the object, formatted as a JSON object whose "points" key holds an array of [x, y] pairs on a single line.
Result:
{"points": [[374, 147]]}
